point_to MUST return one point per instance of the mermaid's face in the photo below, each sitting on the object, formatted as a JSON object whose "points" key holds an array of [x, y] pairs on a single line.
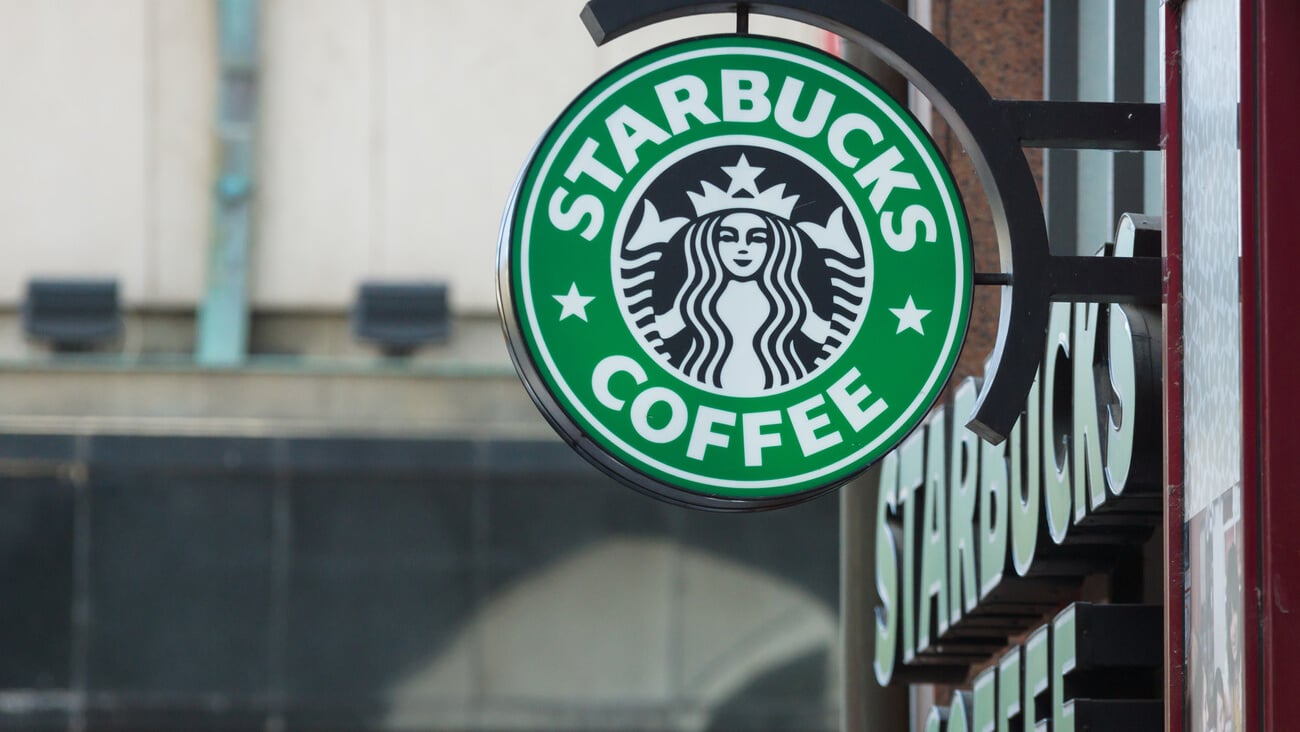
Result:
{"points": [[742, 243]]}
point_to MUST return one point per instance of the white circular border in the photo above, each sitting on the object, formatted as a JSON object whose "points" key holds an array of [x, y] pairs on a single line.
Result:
{"points": [[634, 196], [577, 404]]}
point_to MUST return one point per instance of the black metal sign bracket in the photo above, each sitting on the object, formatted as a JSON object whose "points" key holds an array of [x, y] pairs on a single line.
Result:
{"points": [[994, 133]]}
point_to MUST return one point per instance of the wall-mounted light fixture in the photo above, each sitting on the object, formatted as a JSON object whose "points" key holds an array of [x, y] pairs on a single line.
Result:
{"points": [[400, 317], [72, 314]]}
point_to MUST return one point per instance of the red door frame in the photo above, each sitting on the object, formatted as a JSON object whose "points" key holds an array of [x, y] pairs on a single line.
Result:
{"points": [[1175, 658], [1270, 312], [1270, 154]]}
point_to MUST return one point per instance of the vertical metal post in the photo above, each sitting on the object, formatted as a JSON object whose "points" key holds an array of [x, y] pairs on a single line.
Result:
{"points": [[1061, 83], [1095, 189], [223, 315], [866, 704], [1096, 51], [1127, 81]]}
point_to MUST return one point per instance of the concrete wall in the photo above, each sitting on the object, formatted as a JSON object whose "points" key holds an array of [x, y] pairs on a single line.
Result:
{"points": [[107, 151], [391, 132]]}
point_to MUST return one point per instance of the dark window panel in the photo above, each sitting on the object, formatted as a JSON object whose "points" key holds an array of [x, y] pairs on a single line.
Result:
{"points": [[41, 720], [788, 697], [530, 457], [392, 457], [39, 448], [180, 583], [126, 715], [379, 585], [206, 455], [799, 544], [36, 572], [540, 518]]}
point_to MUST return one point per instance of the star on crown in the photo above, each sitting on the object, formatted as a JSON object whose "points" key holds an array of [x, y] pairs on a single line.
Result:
{"points": [[744, 179]]}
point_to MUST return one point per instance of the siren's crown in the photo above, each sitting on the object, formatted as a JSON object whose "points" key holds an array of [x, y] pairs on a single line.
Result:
{"points": [[743, 180]]}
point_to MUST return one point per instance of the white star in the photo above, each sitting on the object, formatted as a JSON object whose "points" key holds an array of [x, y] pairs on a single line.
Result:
{"points": [[909, 317], [743, 177], [573, 303]]}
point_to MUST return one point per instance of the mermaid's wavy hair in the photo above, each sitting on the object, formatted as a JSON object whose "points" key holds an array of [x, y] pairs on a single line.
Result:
{"points": [[778, 277]]}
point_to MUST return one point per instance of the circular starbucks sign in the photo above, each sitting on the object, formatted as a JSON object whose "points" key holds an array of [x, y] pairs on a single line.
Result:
{"points": [[735, 273]]}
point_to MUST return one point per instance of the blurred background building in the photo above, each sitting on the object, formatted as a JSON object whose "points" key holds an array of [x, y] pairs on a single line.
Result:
{"points": [[265, 463], [247, 483]]}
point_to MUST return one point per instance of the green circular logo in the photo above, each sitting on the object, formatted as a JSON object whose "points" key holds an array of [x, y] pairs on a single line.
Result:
{"points": [[735, 272]]}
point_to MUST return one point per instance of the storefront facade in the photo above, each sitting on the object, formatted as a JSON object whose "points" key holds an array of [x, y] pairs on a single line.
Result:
{"points": [[1138, 583]]}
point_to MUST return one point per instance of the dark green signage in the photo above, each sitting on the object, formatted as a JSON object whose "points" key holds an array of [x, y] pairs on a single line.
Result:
{"points": [[735, 272]]}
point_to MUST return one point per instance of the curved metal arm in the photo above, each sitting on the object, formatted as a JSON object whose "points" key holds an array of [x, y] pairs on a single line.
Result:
{"points": [[978, 122]]}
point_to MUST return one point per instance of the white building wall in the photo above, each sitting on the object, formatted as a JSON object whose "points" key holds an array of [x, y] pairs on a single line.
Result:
{"points": [[105, 158], [391, 132]]}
